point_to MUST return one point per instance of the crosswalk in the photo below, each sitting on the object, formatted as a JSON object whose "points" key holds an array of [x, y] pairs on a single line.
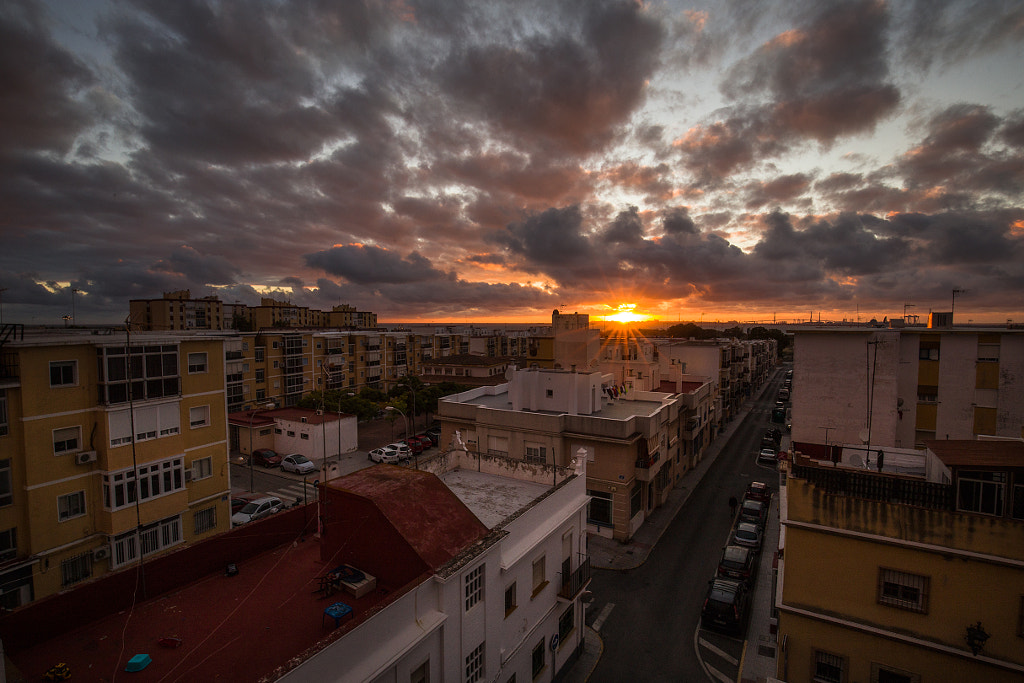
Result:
{"points": [[295, 492]]}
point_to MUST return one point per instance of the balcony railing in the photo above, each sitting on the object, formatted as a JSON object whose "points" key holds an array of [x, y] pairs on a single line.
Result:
{"points": [[577, 580], [872, 486]]}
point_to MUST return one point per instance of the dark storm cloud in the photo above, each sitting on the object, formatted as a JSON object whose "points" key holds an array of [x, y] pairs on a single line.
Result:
{"points": [[626, 228], [677, 221], [365, 265], [821, 81], [1013, 129], [781, 189], [959, 151], [39, 104], [551, 238], [208, 269], [569, 87]]}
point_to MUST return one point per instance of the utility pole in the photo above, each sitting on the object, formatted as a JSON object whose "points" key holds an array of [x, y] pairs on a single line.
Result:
{"points": [[952, 303]]}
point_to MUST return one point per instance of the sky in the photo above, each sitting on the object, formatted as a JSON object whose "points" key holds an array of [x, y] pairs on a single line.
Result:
{"points": [[478, 160]]}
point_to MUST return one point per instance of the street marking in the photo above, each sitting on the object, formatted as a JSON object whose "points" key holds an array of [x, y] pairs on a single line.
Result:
{"points": [[715, 673], [602, 616], [724, 655]]}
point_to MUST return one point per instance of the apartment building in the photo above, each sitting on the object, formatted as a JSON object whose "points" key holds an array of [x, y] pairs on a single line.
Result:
{"points": [[178, 311], [545, 417], [902, 387], [472, 571], [112, 448], [900, 577]]}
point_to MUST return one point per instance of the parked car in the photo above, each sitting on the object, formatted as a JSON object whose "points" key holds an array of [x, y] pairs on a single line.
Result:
{"points": [[383, 455], [738, 562], [400, 448], [768, 456], [758, 490], [433, 436], [771, 439], [256, 509], [266, 457], [423, 441], [747, 535], [754, 511], [298, 463], [415, 447], [238, 503], [725, 607]]}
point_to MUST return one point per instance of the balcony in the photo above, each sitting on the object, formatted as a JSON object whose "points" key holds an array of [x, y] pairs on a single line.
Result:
{"points": [[646, 467], [576, 582]]}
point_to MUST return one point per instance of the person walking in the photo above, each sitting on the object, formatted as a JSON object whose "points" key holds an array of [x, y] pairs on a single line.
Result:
{"points": [[732, 505]]}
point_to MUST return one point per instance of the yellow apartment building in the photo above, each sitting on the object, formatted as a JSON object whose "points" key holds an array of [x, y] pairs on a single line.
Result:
{"points": [[113, 447], [892, 577], [178, 311]]}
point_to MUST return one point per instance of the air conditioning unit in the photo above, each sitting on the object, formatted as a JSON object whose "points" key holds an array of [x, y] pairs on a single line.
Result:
{"points": [[85, 457], [101, 553], [189, 474]]}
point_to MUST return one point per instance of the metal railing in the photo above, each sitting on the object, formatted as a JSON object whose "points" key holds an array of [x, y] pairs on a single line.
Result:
{"points": [[577, 580]]}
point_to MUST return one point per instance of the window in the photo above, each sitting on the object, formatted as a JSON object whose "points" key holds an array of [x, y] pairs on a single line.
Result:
{"points": [[474, 587], [3, 412], [539, 575], [70, 506], [291, 434], [261, 375], [63, 373], [903, 590], [199, 416], [66, 440], [420, 674], [982, 492], [202, 468], [566, 622], [261, 394], [196, 362], [1020, 618], [150, 371], [304, 436], [536, 454], [550, 393], [828, 668], [152, 538], [75, 569], [8, 544], [6, 487], [121, 488], [599, 509], [887, 674], [538, 658], [205, 520], [475, 664], [151, 422], [510, 599]]}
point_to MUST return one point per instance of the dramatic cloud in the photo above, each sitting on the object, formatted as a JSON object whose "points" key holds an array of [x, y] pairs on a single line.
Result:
{"points": [[486, 160]]}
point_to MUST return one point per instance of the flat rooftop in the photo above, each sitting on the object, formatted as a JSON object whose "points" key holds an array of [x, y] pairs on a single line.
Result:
{"points": [[611, 409], [490, 497]]}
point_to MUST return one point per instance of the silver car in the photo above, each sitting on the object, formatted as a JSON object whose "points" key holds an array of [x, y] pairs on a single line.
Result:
{"points": [[298, 463], [747, 535], [256, 509]]}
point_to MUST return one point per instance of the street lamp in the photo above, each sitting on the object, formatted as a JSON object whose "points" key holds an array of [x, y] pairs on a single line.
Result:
{"points": [[397, 410]]}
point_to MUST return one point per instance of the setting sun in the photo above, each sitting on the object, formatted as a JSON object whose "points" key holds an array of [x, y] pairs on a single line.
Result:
{"points": [[626, 313]]}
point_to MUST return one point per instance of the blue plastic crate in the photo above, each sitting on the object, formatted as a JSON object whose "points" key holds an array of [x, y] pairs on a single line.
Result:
{"points": [[138, 663]]}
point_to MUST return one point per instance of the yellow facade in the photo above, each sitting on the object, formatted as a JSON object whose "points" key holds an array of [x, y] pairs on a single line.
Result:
{"points": [[873, 586], [80, 483]]}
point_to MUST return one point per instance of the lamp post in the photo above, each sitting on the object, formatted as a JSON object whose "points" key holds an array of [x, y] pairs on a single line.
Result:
{"points": [[406, 428]]}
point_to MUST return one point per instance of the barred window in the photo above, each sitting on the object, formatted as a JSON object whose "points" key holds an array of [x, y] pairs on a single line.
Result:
{"points": [[205, 520], [474, 587], [881, 673], [475, 664], [566, 622], [75, 569], [828, 668], [903, 590]]}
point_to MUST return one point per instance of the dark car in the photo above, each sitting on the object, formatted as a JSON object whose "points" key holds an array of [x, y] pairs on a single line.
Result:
{"points": [[725, 607], [738, 562], [754, 511], [266, 457], [434, 434], [430, 437], [758, 490]]}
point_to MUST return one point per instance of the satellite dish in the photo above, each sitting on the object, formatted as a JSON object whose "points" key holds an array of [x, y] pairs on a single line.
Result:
{"points": [[864, 435]]}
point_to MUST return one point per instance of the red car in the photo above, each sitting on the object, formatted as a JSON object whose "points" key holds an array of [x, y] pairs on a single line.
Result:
{"points": [[423, 441], [266, 457], [414, 444]]}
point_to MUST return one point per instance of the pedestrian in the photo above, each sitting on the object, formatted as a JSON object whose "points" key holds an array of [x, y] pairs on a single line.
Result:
{"points": [[732, 505]]}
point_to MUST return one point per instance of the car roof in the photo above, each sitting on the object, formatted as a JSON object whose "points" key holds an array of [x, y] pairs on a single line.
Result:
{"points": [[736, 552], [265, 499], [746, 526]]}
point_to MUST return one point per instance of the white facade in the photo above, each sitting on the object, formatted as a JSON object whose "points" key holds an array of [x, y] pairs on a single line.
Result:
{"points": [[447, 628], [316, 439], [900, 387]]}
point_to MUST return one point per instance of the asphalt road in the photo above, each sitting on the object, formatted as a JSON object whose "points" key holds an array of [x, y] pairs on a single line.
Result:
{"points": [[649, 630]]}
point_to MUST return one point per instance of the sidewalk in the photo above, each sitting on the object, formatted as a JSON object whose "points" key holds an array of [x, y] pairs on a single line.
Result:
{"points": [[606, 553]]}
